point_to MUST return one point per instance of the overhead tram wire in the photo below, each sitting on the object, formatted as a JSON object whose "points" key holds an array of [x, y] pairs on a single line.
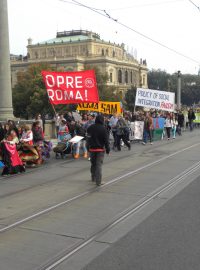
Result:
{"points": [[77, 4], [194, 5], [145, 5], [105, 14]]}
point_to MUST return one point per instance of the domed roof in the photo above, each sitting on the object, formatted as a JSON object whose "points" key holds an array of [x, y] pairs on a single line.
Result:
{"points": [[72, 36]]}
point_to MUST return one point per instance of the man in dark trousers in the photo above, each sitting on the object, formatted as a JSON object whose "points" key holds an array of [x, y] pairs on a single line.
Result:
{"points": [[97, 144], [191, 118]]}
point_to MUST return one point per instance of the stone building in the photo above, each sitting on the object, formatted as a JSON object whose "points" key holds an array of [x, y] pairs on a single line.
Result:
{"points": [[76, 49]]}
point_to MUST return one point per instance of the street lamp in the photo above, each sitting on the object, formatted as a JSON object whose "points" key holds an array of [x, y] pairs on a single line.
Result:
{"points": [[179, 90]]}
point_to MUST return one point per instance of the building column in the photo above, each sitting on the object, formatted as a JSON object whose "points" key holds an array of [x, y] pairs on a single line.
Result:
{"points": [[6, 109]]}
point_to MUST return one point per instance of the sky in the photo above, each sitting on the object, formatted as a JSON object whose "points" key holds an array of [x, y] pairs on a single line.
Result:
{"points": [[164, 32]]}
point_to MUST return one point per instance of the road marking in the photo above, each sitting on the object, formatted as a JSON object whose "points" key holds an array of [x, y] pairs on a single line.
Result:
{"points": [[140, 205], [19, 222]]}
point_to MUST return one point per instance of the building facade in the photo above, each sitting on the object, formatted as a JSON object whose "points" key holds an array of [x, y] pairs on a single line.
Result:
{"points": [[77, 49]]}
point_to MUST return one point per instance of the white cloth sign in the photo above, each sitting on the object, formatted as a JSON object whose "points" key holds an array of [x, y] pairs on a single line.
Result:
{"points": [[76, 139], [155, 99], [137, 128]]}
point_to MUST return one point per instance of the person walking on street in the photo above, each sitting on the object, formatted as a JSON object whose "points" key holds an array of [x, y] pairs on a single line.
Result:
{"points": [[168, 125], [148, 128], [113, 123], [191, 118], [97, 144], [174, 125], [121, 133], [180, 122], [86, 124]]}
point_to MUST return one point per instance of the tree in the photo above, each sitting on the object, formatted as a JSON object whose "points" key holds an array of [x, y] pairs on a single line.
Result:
{"points": [[29, 94], [158, 79], [130, 98], [190, 85], [106, 92]]}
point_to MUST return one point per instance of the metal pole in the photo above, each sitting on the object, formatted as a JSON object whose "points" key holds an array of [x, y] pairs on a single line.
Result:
{"points": [[6, 109], [179, 91]]}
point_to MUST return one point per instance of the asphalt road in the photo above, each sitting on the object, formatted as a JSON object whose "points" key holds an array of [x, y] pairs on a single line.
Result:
{"points": [[144, 216], [169, 239]]}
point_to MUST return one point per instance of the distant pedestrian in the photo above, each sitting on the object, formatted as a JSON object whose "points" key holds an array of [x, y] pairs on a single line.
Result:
{"points": [[191, 118], [57, 123], [121, 133], [38, 117], [168, 125], [113, 124], [97, 144], [180, 122], [174, 125], [148, 128]]}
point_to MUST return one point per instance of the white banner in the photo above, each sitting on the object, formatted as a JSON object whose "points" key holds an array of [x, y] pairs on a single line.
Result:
{"points": [[137, 128], [155, 99]]}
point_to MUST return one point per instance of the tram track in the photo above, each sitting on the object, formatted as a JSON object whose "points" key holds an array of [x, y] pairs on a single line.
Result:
{"points": [[92, 190], [122, 215], [133, 209], [64, 163]]}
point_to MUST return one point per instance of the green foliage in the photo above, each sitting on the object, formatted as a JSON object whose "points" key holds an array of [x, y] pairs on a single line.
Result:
{"points": [[158, 79], [130, 99], [190, 85], [106, 92], [190, 89], [29, 94]]}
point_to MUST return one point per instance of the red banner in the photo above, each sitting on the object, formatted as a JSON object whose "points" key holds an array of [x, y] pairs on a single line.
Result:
{"points": [[71, 87]]}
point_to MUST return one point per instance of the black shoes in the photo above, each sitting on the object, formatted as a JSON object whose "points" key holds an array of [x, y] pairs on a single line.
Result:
{"points": [[101, 184]]}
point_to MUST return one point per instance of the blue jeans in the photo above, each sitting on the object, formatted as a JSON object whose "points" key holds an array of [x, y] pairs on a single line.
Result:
{"points": [[191, 125], [147, 133], [174, 132], [77, 146]]}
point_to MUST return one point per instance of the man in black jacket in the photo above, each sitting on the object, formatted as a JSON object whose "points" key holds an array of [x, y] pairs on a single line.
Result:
{"points": [[191, 118], [97, 143]]}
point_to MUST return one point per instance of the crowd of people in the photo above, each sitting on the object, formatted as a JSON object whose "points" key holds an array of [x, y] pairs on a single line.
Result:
{"points": [[22, 145]]}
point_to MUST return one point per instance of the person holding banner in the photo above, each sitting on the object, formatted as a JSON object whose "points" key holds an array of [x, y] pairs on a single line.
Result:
{"points": [[168, 125], [148, 128], [77, 129], [112, 124], [121, 133], [97, 144]]}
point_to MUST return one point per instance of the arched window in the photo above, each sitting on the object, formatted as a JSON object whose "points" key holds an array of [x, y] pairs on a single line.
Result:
{"points": [[126, 76], [131, 77], [143, 79], [102, 52], [111, 77], [120, 76]]}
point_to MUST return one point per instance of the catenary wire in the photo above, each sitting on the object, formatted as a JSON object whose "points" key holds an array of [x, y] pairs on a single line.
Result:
{"points": [[104, 13], [145, 5], [194, 5]]}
